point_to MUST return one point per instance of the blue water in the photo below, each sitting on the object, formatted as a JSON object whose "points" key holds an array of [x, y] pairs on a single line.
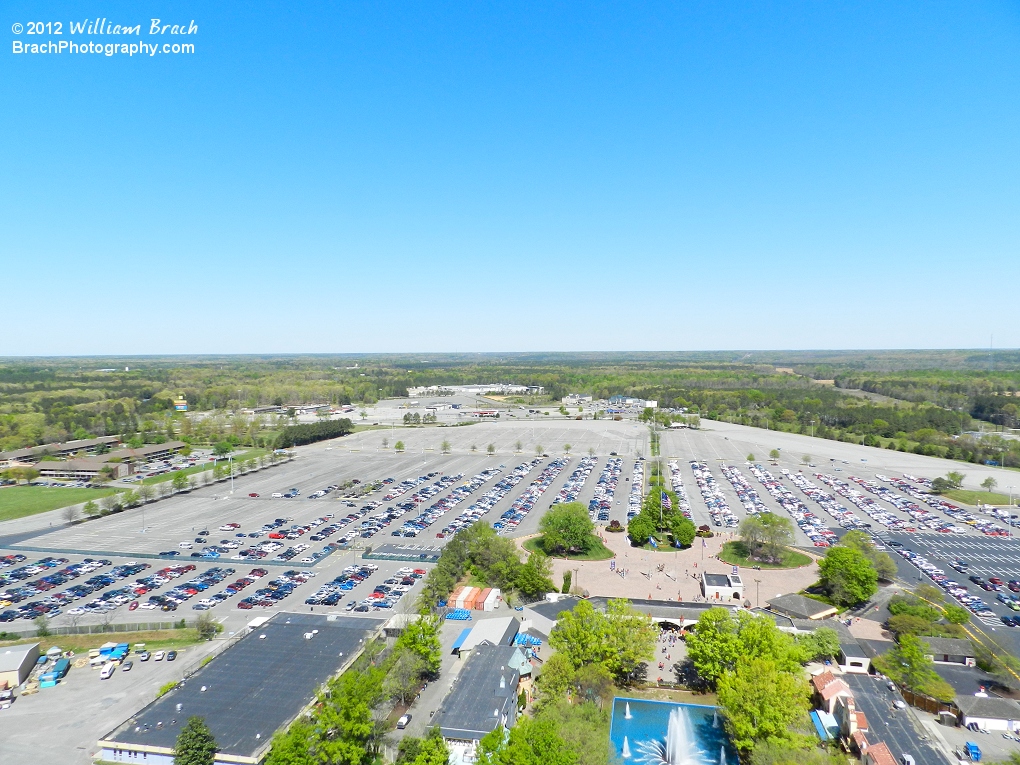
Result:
{"points": [[646, 733]]}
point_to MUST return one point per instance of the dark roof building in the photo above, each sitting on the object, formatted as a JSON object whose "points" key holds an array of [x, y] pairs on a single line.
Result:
{"points": [[483, 697], [248, 692], [799, 607], [989, 713], [950, 651]]}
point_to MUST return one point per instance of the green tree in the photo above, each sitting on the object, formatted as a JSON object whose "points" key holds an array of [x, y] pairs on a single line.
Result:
{"points": [[567, 528], [557, 677], [750, 457], [619, 639], [518, 446], [806, 459], [345, 716], [398, 446], [640, 529], [766, 535], [432, 750], [530, 742], [955, 479], [421, 638], [539, 450], [957, 614], [490, 449], [989, 483], [179, 481], [823, 643], [884, 565], [909, 665], [567, 577], [91, 509], [774, 454], [445, 447], [405, 672], [534, 578], [683, 530], [223, 448], [567, 448], [295, 746], [195, 743], [207, 627], [847, 575], [760, 702]]}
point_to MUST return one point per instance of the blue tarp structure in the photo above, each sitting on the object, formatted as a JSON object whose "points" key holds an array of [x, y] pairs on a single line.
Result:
{"points": [[825, 725], [461, 638]]}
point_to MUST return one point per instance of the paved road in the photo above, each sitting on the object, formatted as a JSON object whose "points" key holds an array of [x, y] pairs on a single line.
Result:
{"points": [[898, 728]]}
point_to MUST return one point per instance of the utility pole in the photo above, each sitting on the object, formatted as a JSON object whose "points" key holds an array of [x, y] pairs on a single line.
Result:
{"points": [[757, 593]]}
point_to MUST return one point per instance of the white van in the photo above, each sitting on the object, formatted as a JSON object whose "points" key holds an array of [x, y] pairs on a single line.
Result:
{"points": [[185, 545], [107, 670]]}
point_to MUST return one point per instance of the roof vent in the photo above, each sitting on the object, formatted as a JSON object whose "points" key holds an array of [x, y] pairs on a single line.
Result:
{"points": [[502, 681]]}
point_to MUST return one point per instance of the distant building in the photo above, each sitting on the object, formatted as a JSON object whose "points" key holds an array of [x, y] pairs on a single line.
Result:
{"points": [[575, 399], [181, 403], [32, 454], [722, 586], [85, 469], [16, 663]]}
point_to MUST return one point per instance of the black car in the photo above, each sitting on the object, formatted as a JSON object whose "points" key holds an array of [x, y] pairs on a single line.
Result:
{"points": [[171, 655]]}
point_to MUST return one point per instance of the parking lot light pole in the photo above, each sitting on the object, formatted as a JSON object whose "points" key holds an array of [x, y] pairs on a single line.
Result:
{"points": [[230, 467]]}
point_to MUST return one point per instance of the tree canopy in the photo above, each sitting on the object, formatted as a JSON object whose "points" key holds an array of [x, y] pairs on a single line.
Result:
{"points": [[847, 575], [619, 640], [567, 528], [195, 743]]}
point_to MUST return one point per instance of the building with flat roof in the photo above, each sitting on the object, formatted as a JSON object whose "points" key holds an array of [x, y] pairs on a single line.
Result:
{"points": [[722, 586], [989, 713], [494, 631], [950, 651], [799, 607], [84, 469], [16, 663], [65, 449], [248, 692], [483, 697]]}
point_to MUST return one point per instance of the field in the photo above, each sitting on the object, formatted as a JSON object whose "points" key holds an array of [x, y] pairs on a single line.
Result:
{"points": [[20, 501], [154, 641], [977, 497], [736, 554]]}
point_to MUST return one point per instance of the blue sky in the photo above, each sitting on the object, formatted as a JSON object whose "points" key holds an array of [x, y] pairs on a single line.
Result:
{"points": [[356, 177]]}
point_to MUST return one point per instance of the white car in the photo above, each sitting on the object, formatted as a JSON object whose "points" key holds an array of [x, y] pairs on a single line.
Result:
{"points": [[185, 545], [158, 656], [149, 606]]}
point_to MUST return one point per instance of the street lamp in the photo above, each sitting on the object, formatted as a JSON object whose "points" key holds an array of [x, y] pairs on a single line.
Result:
{"points": [[757, 592]]}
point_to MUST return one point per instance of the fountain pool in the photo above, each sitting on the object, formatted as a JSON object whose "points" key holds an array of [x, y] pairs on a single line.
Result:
{"points": [[664, 733]]}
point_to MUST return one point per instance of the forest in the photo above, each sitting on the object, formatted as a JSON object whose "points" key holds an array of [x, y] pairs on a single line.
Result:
{"points": [[925, 401]]}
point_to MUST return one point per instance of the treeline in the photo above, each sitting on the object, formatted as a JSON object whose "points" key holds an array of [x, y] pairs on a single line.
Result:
{"points": [[297, 435], [478, 550]]}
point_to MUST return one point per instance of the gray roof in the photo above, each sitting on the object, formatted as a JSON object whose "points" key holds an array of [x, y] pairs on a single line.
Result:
{"points": [[12, 658], [949, 646], [671, 610], [716, 580], [256, 686], [477, 701], [143, 451], [852, 649], [68, 447], [990, 708], [798, 606]]}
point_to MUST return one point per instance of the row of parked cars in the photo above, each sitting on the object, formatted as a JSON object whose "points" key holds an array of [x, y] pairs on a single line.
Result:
{"points": [[575, 481], [600, 505], [813, 526], [867, 505], [958, 591], [525, 502], [275, 590], [748, 496], [385, 595], [489, 499], [51, 602], [718, 507], [937, 503], [676, 480], [637, 481], [843, 517], [437, 510], [919, 516]]}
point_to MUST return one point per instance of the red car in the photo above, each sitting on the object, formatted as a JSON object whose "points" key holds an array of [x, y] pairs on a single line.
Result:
{"points": [[253, 494], [133, 605]]}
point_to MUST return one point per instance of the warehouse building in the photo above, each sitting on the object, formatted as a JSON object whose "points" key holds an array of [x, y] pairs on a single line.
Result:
{"points": [[493, 631], [84, 469], [254, 688], [16, 663], [987, 713]]}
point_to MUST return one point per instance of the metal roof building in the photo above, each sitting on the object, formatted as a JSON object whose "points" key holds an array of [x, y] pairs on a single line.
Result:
{"points": [[16, 663], [248, 692]]}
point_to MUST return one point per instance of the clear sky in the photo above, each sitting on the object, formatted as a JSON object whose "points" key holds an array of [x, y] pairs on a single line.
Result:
{"points": [[428, 176]]}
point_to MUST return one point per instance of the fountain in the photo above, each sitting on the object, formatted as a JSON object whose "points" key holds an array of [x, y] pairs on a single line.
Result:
{"points": [[662, 733]]}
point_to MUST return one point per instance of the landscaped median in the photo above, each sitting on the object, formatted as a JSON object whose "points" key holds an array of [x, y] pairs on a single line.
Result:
{"points": [[737, 554], [252, 454]]}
